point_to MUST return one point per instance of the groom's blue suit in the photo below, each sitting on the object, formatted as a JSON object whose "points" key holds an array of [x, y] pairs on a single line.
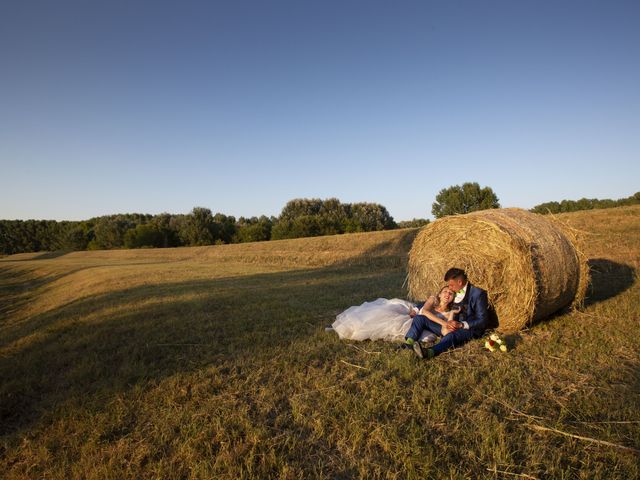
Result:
{"points": [[474, 312]]}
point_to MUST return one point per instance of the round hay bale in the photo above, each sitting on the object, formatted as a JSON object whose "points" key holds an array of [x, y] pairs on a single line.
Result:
{"points": [[528, 264]]}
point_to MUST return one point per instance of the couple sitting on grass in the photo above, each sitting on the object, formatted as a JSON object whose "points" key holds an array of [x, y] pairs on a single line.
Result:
{"points": [[457, 314]]}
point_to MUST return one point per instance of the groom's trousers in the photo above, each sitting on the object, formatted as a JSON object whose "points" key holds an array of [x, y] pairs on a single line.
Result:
{"points": [[421, 323]]}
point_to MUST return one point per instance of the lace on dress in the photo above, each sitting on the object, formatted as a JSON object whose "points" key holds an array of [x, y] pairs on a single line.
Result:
{"points": [[381, 319]]}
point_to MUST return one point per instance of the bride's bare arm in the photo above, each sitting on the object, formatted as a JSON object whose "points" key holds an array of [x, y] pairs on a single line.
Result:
{"points": [[432, 316], [452, 313], [431, 301]]}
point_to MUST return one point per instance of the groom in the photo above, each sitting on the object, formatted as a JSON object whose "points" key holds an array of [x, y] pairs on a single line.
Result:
{"points": [[471, 323]]}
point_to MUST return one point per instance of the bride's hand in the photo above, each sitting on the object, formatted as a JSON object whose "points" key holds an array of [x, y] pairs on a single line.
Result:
{"points": [[431, 301], [453, 313]]}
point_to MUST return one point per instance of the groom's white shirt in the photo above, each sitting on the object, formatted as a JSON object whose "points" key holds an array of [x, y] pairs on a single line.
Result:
{"points": [[460, 294], [459, 297]]}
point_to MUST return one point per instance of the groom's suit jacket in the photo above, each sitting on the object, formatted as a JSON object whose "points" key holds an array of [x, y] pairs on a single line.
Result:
{"points": [[475, 309]]}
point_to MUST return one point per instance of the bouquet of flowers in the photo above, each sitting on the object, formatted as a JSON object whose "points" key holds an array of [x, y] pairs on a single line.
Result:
{"points": [[495, 343]]}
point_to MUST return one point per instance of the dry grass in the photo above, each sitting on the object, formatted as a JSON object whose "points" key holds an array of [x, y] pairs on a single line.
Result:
{"points": [[213, 363]]}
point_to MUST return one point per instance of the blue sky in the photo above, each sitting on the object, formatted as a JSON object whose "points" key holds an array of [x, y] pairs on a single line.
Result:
{"points": [[240, 106]]}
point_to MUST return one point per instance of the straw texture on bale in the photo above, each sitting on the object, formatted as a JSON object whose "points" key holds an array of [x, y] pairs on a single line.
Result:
{"points": [[529, 265]]}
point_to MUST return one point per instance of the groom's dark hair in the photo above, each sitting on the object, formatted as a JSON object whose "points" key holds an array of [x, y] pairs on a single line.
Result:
{"points": [[453, 273]]}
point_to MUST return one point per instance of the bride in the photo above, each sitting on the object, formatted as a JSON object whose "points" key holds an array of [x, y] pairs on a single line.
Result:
{"points": [[385, 319]]}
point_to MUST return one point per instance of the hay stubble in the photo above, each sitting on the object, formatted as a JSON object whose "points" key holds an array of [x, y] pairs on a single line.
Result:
{"points": [[529, 267]]}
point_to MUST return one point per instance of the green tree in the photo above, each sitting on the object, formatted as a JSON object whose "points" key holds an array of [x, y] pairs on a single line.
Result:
{"points": [[77, 236], [369, 217], [143, 236], [166, 225], [632, 200], [333, 216], [415, 223], [224, 228], [303, 226], [301, 217], [7, 238], [568, 206], [606, 203], [178, 223], [465, 198], [199, 227], [109, 232], [585, 204], [547, 207], [313, 217], [253, 229], [300, 207]]}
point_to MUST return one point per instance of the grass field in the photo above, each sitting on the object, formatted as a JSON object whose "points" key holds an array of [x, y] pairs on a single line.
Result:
{"points": [[213, 362]]}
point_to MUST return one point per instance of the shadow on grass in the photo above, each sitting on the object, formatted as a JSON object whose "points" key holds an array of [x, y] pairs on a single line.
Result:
{"points": [[18, 288], [98, 347], [50, 255], [608, 279]]}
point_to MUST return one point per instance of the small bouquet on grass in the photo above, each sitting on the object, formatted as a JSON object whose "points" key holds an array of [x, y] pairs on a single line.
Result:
{"points": [[495, 343]]}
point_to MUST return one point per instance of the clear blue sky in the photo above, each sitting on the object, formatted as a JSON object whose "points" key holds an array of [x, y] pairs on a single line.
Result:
{"points": [[239, 106]]}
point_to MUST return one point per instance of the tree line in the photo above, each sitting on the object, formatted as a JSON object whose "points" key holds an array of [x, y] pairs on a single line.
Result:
{"points": [[470, 197], [299, 218], [585, 204]]}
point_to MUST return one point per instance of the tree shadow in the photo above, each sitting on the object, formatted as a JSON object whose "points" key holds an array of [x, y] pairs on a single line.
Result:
{"points": [[18, 287], [101, 346], [31, 256], [608, 279], [394, 250], [50, 255]]}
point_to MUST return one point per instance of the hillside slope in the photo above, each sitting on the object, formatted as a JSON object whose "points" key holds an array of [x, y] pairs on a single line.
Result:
{"points": [[213, 362]]}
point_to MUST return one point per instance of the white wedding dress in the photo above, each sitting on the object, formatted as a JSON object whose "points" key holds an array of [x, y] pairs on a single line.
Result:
{"points": [[381, 319]]}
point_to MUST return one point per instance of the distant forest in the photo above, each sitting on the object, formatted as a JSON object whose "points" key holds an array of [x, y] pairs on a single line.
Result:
{"points": [[299, 218], [584, 204]]}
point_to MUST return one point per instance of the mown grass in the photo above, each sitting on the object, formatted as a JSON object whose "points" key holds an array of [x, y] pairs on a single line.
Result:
{"points": [[214, 363]]}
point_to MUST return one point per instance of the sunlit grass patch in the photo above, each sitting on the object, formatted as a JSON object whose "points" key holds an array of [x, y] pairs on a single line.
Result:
{"points": [[214, 363]]}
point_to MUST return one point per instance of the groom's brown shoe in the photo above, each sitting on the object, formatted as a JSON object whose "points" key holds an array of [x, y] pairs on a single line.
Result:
{"points": [[417, 348]]}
